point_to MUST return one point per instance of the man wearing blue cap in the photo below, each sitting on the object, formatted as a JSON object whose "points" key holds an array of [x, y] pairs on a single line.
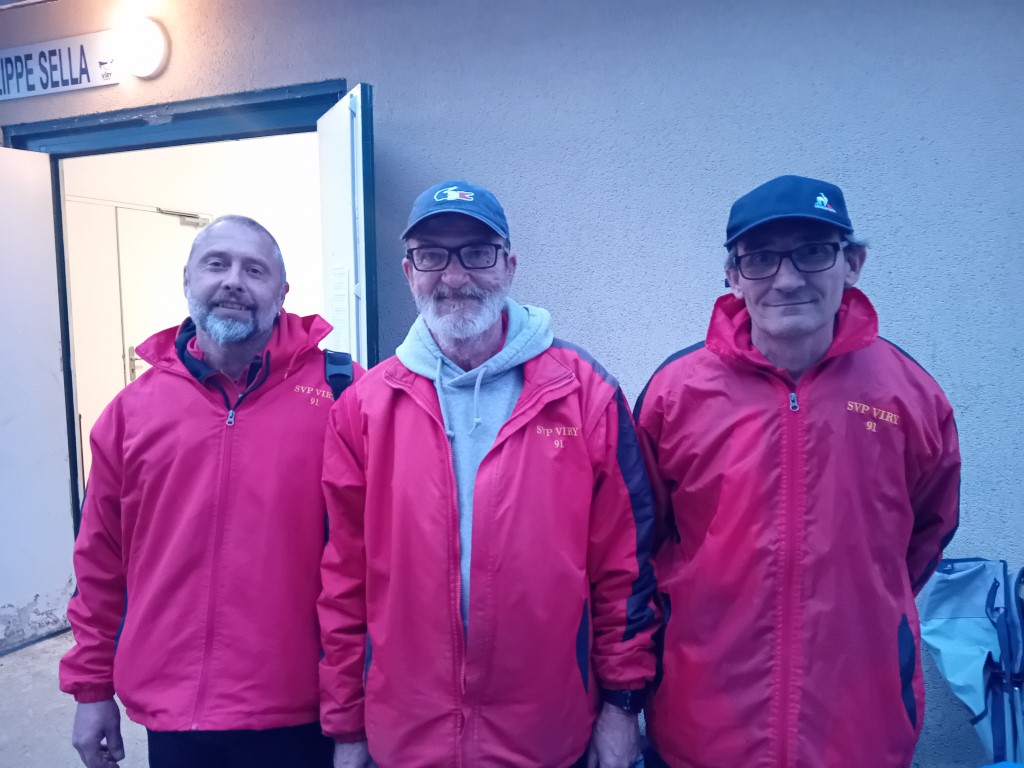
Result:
{"points": [[806, 476], [487, 596]]}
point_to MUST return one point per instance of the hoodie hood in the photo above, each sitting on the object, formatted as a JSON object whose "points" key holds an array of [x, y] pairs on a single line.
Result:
{"points": [[528, 335]]}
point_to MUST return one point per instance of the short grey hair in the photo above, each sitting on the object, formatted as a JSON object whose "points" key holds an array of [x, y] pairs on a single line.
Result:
{"points": [[849, 238], [250, 224]]}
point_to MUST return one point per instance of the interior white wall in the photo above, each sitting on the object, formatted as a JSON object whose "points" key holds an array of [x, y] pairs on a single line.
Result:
{"points": [[90, 250], [275, 180], [617, 135]]}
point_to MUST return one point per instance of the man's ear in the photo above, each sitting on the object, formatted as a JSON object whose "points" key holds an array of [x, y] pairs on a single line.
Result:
{"points": [[732, 281], [855, 255]]}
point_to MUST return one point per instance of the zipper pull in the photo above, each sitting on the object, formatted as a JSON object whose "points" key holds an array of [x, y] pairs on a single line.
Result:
{"points": [[793, 404], [231, 417]]}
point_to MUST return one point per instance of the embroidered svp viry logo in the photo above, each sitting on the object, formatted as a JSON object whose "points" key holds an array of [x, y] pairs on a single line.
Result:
{"points": [[823, 203], [452, 193], [877, 415], [314, 394], [558, 435]]}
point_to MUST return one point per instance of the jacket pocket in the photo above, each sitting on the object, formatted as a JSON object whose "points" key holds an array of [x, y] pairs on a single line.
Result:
{"points": [[908, 663]]}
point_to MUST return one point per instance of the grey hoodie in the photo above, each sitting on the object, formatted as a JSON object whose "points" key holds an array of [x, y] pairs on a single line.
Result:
{"points": [[475, 404]]}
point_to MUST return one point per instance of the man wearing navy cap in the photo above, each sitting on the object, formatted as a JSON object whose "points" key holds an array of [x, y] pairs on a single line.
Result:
{"points": [[805, 474], [487, 596]]}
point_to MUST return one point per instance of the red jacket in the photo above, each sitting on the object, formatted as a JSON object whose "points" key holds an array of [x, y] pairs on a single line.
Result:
{"points": [[798, 521], [213, 532], [562, 591]]}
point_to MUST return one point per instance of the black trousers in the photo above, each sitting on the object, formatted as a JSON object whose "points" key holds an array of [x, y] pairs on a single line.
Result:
{"points": [[300, 746], [652, 759]]}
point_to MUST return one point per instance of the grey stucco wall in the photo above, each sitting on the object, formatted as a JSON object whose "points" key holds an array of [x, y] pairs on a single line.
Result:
{"points": [[617, 134]]}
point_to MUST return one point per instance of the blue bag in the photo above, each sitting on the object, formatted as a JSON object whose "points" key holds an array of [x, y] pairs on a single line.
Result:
{"points": [[971, 622]]}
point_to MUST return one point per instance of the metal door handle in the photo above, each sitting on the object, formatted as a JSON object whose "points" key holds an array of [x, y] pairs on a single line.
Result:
{"points": [[132, 360]]}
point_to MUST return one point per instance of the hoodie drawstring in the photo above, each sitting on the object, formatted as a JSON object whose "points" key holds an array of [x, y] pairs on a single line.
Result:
{"points": [[476, 399], [439, 386]]}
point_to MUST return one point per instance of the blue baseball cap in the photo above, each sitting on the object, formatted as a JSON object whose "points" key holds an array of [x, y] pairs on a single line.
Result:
{"points": [[459, 197], [788, 197]]}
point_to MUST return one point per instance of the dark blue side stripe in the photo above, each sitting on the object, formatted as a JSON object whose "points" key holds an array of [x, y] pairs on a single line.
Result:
{"points": [[124, 612], [921, 580], [906, 354], [124, 618], [639, 614], [668, 361], [659, 643], [959, 483], [949, 536], [368, 658], [583, 646], [599, 369], [908, 662]]}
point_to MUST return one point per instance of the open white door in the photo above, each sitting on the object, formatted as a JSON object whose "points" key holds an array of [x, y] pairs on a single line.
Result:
{"points": [[346, 167], [36, 533], [151, 249]]}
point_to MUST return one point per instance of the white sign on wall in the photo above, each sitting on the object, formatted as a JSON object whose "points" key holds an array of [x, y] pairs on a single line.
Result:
{"points": [[68, 64]]}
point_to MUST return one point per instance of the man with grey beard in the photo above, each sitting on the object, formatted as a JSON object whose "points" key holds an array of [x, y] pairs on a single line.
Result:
{"points": [[487, 595], [203, 526]]}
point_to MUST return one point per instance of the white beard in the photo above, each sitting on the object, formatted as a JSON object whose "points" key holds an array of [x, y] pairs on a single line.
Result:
{"points": [[458, 326], [225, 331]]}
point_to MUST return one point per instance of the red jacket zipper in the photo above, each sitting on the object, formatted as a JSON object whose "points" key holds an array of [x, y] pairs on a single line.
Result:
{"points": [[211, 609], [790, 608], [457, 629]]}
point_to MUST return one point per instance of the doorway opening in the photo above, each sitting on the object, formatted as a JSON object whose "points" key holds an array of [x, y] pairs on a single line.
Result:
{"points": [[299, 159], [129, 221]]}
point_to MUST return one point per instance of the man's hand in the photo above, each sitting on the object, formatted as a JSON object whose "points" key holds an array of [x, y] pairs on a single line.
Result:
{"points": [[353, 755], [96, 734], [616, 739]]}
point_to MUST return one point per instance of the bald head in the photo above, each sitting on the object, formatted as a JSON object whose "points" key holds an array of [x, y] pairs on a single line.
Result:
{"points": [[235, 220]]}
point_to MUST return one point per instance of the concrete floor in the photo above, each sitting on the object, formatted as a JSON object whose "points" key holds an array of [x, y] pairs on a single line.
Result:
{"points": [[36, 718]]}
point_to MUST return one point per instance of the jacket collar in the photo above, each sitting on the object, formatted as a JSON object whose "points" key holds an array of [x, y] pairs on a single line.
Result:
{"points": [[539, 373], [293, 336], [729, 331]]}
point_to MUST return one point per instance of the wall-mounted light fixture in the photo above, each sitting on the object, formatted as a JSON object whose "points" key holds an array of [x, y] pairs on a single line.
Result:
{"points": [[143, 46]]}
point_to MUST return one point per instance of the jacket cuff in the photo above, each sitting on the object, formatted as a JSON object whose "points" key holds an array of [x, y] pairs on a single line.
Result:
{"points": [[90, 694], [628, 701]]}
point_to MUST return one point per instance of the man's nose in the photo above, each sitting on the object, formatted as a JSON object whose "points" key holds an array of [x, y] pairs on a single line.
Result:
{"points": [[232, 279], [788, 277], [455, 274]]}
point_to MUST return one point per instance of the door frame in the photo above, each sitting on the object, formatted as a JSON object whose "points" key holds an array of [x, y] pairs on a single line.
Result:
{"points": [[269, 112]]}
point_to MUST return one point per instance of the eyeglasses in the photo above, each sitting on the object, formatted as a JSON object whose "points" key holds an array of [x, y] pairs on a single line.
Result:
{"points": [[434, 258], [808, 258]]}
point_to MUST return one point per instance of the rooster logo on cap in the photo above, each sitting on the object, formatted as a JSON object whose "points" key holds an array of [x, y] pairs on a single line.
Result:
{"points": [[452, 193]]}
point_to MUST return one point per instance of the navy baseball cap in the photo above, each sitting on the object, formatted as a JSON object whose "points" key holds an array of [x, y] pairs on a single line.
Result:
{"points": [[459, 197], [788, 197]]}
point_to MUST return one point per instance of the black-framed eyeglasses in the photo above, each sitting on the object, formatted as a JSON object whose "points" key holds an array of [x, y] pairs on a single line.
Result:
{"points": [[434, 258], [808, 258]]}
